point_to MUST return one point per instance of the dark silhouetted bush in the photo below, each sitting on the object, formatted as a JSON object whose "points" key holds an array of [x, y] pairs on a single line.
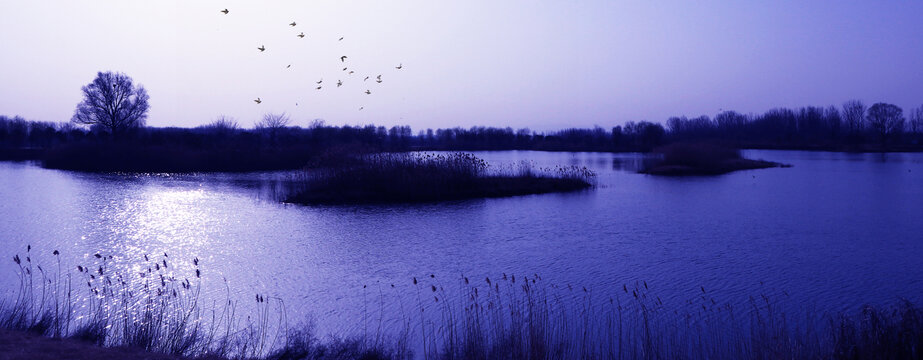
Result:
{"points": [[410, 177]]}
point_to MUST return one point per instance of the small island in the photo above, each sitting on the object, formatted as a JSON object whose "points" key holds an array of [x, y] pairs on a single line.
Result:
{"points": [[415, 177], [685, 159]]}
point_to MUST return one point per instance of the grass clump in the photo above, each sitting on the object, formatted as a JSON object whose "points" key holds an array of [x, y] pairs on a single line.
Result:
{"points": [[702, 159], [413, 177]]}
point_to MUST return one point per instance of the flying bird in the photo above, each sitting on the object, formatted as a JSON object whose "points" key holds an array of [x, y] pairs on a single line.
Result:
{"points": [[351, 72], [378, 77], [289, 65], [399, 66], [292, 24], [257, 100], [339, 83], [361, 107], [366, 78], [262, 48], [378, 81], [368, 92], [225, 11], [344, 69], [300, 35], [320, 81], [343, 58], [341, 39], [318, 88]]}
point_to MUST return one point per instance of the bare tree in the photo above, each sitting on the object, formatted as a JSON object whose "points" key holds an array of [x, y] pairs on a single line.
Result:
{"points": [[272, 123], [112, 102], [886, 120], [317, 123], [916, 120], [853, 117], [834, 121]]}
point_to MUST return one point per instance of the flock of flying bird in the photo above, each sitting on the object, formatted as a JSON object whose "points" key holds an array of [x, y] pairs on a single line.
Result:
{"points": [[343, 58]]}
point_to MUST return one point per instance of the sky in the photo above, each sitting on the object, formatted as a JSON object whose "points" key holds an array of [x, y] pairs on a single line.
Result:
{"points": [[542, 65]]}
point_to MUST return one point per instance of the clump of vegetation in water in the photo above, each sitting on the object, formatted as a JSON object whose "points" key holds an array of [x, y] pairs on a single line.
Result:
{"points": [[702, 159], [413, 177]]}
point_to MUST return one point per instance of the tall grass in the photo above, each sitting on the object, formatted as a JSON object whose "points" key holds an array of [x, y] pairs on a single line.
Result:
{"points": [[151, 309], [506, 317], [416, 177]]}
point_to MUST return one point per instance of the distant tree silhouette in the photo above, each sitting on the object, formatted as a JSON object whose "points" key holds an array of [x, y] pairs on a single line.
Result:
{"points": [[223, 126], [853, 116], [113, 103], [271, 124], [224, 122], [885, 119], [916, 121], [834, 122]]}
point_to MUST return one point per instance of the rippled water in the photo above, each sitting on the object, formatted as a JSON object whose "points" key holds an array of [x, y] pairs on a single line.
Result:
{"points": [[834, 231]]}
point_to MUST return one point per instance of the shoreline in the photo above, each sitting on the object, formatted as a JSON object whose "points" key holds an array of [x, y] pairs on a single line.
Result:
{"points": [[220, 161]]}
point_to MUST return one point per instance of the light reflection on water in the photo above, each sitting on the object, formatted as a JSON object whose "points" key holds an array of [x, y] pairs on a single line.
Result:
{"points": [[837, 229]]}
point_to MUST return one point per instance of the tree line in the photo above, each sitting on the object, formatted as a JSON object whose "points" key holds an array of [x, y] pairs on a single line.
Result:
{"points": [[853, 126], [113, 112]]}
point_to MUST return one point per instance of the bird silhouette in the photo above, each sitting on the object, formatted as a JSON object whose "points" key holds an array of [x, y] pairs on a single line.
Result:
{"points": [[341, 39], [344, 69], [343, 58], [318, 88], [257, 100], [262, 48], [368, 92], [351, 72], [378, 81], [339, 83], [300, 35], [366, 78], [320, 81], [289, 65], [225, 11], [378, 77], [399, 66], [293, 23], [361, 107]]}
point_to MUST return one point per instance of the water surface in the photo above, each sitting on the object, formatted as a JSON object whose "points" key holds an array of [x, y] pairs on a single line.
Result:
{"points": [[835, 231]]}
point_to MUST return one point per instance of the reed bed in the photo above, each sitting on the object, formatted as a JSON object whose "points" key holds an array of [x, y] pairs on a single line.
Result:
{"points": [[702, 158], [503, 317], [424, 177]]}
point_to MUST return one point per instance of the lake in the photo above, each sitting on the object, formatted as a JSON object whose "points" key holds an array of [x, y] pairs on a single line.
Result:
{"points": [[834, 232]]}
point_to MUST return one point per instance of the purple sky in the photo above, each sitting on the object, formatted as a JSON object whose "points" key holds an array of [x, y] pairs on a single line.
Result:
{"points": [[537, 64]]}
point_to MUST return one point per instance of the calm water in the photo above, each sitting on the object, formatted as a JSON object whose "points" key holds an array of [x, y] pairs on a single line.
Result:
{"points": [[835, 231]]}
